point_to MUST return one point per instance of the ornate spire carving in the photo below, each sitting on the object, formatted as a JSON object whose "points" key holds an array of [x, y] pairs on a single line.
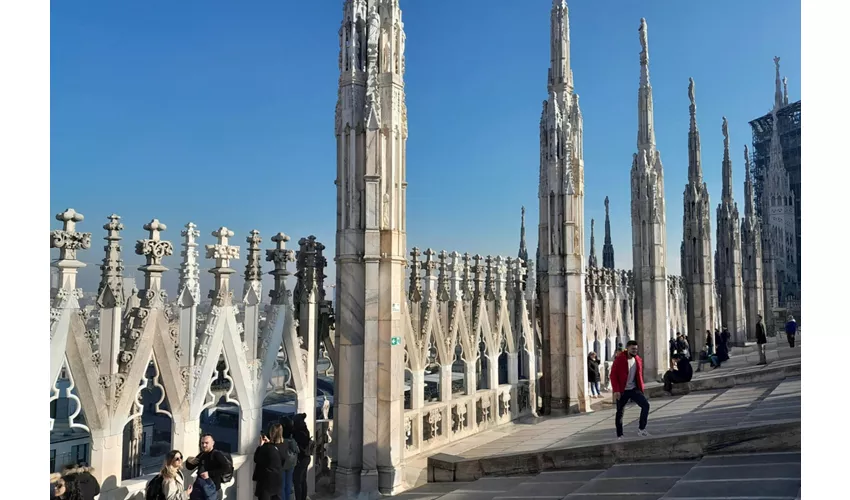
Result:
{"points": [[112, 269], [726, 196], [559, 48], [785, 90], [154, 249], [694, 154], [777, 94], [749, 200], [607, 246], [190, 271], [253, 269], [523, 250], [306, 263], [223, 253], [591, 261], [414, 293], [280, 256], [646, 119], [68, 240]]}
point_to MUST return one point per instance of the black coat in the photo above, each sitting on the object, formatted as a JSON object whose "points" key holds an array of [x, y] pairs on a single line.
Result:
{"points": [[593, 370], [761, 338], [215, 464], [268, 472]]}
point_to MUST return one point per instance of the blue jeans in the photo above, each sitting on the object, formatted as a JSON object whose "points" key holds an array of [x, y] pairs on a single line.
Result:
{"points": [[287, 484], [594, 389]]}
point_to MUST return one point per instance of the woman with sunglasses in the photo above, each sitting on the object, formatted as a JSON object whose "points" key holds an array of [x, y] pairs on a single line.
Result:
{"points": [[172, 477]]}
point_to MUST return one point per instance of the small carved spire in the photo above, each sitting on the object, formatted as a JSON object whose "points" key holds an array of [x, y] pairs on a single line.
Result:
{"points": [[253, 269], [785, 90], [466, 284], [480, 275], [415, 290], [112, 269], [489, 283], [306, 263], [646, 124], [68, 241], [223, 253], [190, 270], [694, 154], [727, 166], [777, 94], [154, 248], [523, 250], [591, 260], [280, 256], [607, 246], [443, 280], [749, 201]]}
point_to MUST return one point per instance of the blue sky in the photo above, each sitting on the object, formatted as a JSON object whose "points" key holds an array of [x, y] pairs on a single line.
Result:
{"points": [[222, 112]]}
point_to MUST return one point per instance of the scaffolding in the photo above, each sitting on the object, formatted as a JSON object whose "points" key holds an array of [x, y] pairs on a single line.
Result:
{"points": [[789, 138]]}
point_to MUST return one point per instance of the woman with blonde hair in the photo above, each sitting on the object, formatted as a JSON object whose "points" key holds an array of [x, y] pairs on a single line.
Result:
{"points": [[172, 477]]}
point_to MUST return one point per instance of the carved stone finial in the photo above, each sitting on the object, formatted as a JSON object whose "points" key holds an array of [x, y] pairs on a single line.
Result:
{"points": [[112, 269], [68, 241], [443, 279], [725, 127], [306, 263], [466, 284], [190, 270], [253, 269], [223, 253], [154, 248], [691, 94], [414, 292], [280, 256]]}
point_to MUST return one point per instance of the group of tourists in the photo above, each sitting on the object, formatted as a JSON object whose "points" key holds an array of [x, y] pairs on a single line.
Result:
{"points": [[280, 471]]}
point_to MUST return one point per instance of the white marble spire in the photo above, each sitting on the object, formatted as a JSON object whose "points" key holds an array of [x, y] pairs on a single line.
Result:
{"points": [[646, 119]]}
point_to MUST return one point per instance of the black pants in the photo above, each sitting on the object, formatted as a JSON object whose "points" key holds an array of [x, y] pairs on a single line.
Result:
{"points": [[672, 377], [299, 478], [791, 338], [640, 400]]}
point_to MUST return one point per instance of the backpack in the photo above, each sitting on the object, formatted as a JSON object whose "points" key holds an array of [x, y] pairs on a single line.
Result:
{"points": [[153, 490], [227, 476]]}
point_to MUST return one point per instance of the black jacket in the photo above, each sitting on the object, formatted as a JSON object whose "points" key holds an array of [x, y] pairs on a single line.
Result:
{"points": [[685, 370], [215, 463], [593, 370], [268, 472], [761, 338]]}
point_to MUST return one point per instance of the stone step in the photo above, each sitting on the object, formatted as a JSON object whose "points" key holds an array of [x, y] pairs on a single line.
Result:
{"points": [[554, 485]]}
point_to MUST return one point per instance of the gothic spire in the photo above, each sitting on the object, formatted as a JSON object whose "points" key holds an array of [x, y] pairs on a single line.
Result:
{"points": [[591, 261], [523, 251], [777, 94], [646, 125], [560, 73], [726, 197], [785, 89], [749, 202], [607, 247], [694, 155]]}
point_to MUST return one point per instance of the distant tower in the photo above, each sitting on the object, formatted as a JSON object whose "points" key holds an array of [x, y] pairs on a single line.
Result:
{"points": [[607, 247], [729, 253], [649, 232], [752, 256], [561, 231], [779, 243], [591, 261], [697, 260]]}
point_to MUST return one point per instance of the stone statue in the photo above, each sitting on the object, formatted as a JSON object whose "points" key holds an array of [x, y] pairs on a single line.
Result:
{"points": [[373, 30], [606, 206], [725, 132], [691, 92], [776, 62], [642, 32]]}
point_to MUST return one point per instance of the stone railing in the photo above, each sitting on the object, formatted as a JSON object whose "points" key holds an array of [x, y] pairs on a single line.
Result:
{"points": [[472, 314], [132, 341]]}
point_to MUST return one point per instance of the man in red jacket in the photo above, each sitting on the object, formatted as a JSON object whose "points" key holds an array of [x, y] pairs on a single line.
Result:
{"points": [[627, 384]]}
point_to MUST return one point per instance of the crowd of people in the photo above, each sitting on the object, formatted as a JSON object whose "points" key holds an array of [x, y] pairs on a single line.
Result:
{"points": [[280, 469]]}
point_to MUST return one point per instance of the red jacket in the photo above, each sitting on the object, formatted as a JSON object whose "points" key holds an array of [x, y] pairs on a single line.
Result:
{"points": [[620, 373]]}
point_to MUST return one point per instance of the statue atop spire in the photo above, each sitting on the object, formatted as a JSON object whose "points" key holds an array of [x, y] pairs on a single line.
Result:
{"points": [[607, 247], [523, 250], [694, 154], [560, 73], [785, 90]]}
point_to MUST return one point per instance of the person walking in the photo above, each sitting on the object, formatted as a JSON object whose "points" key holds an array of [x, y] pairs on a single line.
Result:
{"points": [[627, 384], [268, 469], [761, 340], [305, 447], [593, 375], [216, 464], [680, 372], [791, 330]]}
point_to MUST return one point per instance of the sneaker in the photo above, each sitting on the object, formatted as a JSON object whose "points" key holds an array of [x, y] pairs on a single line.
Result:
{"points": [[619, 438], [643, 433]]}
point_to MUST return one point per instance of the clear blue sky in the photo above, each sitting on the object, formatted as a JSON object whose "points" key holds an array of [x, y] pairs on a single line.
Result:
{"points": [[221, 112]]}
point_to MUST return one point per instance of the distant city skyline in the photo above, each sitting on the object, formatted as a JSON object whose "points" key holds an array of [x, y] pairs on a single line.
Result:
{"points": [[222, 117]]}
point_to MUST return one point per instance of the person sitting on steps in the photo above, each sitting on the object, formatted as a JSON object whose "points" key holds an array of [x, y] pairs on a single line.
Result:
{"points": [[680, 372]]}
